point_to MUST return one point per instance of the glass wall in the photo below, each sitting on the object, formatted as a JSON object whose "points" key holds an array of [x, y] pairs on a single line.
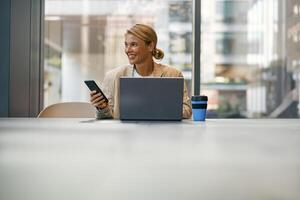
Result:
{"points": [[250, 49], [250, 54], [85, 38], [224, 47]]}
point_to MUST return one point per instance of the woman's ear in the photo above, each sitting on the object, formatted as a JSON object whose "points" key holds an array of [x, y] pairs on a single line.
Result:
{"points": [[151, 47]]}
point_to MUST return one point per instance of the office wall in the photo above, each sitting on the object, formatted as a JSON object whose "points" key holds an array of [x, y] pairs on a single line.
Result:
{"points": [[21, 55], [20, 52], [4, 55]]}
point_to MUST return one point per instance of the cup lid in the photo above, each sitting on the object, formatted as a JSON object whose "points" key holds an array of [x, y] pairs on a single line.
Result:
{"points": [[199, 98]]}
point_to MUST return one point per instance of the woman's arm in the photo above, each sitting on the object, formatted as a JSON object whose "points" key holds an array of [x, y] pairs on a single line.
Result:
{"points": [[187, 108], [108, 89]]}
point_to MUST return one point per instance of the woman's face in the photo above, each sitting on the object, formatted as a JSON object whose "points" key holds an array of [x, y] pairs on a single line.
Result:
{"points": [[136, 49]]}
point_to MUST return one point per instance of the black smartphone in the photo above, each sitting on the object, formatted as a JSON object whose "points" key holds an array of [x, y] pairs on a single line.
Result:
{"points": [[93, 86]]}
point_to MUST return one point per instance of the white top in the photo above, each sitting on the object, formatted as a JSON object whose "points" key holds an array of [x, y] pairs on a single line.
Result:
{"points": [[136, 74]]}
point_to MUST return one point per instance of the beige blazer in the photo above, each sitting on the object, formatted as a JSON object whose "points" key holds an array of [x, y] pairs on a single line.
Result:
{"points": [[111, 87]]}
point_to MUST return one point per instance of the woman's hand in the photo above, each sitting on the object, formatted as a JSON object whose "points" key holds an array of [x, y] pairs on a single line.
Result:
{"points": [[95, 100]]}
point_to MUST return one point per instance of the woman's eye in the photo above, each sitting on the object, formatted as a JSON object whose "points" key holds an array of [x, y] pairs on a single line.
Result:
{"points": [[130, 45]]}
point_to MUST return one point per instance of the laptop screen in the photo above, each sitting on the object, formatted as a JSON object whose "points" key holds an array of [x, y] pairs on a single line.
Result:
{"points": [[148, 98]]}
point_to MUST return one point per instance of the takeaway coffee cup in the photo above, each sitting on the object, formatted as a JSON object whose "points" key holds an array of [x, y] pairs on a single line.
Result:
{"points": [[199, 106]]}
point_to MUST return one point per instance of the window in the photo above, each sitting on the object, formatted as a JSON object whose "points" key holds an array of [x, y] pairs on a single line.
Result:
{"points": [[250, 58], [249, 49], [231, 43], [84, 39], [231, 11]]}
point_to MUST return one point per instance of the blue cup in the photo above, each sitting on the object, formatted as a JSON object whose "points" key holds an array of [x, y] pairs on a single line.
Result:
{"points": [[199, 106]]}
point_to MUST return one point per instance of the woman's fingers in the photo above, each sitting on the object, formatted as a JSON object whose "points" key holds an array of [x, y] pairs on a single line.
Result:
{"points": [[95, 96], [103, 105], [92, 93], [97, 100]]}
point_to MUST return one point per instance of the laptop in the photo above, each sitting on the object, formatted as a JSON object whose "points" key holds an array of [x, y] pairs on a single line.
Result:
{"points": [[150, 98]]}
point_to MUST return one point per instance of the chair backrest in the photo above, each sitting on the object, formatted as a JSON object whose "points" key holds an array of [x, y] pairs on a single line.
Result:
{"points": [[69, 109]]}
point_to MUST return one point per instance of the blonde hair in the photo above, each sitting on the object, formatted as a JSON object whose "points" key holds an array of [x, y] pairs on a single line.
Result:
{"points": [[148, 35]]}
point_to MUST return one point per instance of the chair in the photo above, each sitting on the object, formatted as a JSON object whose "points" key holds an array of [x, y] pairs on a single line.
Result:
{"points": [[69, 109]]}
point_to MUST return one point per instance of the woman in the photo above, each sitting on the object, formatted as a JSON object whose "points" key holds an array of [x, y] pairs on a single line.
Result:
{"points": [[140, 48]]}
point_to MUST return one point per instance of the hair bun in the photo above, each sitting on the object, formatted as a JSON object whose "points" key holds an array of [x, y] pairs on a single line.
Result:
{"points": [[158, 54]]}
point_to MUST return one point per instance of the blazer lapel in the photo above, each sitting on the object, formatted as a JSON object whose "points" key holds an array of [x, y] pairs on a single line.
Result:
{"points": [[128, 70], [158, 70]]}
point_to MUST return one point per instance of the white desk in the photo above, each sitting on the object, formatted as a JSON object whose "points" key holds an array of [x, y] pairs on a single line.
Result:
{"points": [[64, 159]]}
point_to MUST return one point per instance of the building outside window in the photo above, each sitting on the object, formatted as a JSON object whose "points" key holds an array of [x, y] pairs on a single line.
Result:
{"points": [[250, 58], [225, 71]]}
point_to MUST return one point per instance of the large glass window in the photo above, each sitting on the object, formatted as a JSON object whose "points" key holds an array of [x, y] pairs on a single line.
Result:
{"points": [[250, 54], [85, 38], [231, 43], [231, 11], [250, 63]]}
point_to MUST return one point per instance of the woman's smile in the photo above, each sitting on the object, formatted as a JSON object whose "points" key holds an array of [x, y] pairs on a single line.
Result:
{"points": [[131, 56]]}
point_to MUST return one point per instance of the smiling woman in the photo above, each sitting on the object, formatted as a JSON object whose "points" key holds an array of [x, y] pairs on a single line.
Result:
{"points": [[140, 48]]}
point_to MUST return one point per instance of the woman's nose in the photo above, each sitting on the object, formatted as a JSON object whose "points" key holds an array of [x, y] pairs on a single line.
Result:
{"points": [[127, 48]]}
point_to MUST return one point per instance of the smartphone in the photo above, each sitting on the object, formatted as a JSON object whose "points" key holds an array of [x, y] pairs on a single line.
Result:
{"points": [[93, 86]]}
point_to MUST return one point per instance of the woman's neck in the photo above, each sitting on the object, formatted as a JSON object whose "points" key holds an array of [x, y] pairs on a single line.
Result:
{"points": [[146, 68]]}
